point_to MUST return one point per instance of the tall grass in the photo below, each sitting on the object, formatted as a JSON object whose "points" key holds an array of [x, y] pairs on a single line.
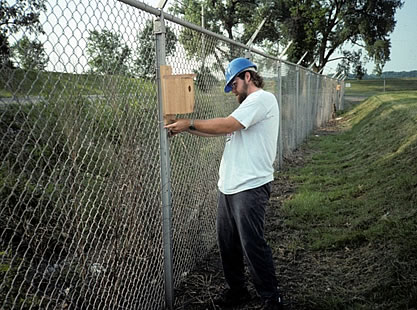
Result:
{"points": [[63, 174]]}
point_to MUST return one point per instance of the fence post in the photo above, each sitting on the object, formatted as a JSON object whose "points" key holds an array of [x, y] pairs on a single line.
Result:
{"points": [[159, 30], [297, 105], [319, 98], [280, 135], [308, 107]]}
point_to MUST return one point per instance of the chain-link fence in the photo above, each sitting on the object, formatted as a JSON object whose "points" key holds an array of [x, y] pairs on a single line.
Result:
{"points": [[84, 157]]}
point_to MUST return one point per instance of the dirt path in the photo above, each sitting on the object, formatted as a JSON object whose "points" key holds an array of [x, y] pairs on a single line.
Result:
{"points": [[353, 100]]}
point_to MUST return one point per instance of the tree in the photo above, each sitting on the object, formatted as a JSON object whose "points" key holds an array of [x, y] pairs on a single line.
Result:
{"points": [[352, 59], [205, 80], [20, 15], [144, 64], [220, 16], [321, 27], [359, 71], [223, 17], [30, 54], [106, 53]]}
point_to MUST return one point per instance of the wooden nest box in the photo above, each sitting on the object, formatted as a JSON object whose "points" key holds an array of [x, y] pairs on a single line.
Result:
{"points": [[177, 93]]}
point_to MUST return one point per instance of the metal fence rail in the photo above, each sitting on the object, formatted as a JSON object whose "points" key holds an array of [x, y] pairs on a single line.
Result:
{"points": [[81, 223]]}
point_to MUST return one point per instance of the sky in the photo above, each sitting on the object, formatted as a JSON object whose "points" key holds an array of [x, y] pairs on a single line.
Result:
{"points": [[404, 39], [403, 42]]}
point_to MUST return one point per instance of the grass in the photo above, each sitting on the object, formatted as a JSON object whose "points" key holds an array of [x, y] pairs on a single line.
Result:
{"points": [[369, 88], [30, 83], [358, 191], [365, 174]]}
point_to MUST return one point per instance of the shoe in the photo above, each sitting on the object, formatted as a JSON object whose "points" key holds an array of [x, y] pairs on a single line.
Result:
{"points": [[274, 304], [231, 298]]}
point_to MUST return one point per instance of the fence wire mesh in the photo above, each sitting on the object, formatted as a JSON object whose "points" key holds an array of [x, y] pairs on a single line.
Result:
{"points": [[80, 218]]}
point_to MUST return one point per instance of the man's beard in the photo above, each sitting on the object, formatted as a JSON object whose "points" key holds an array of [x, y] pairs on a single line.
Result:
{"points": [[242, 96]]}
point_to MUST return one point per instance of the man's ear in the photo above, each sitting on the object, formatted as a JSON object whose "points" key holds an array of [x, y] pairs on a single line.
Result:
{"points": [[247, 79]]}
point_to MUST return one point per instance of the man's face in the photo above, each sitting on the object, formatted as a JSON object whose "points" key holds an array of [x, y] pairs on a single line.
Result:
{"points": [[240, 89]]}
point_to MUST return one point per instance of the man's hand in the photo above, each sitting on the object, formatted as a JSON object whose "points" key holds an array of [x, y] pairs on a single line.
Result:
{"points": [[207, 127], [178, 126]]}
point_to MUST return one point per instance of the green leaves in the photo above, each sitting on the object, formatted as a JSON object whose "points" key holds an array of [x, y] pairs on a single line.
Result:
{"points": [[144, 64], [107, 53], [21, 15], [30, 54]]}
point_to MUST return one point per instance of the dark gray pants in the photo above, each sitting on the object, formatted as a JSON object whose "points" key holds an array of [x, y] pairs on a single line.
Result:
{"points": [[240, 232]]}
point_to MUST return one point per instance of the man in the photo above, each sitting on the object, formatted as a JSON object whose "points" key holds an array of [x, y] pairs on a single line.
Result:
{"points": [[246, 172]]}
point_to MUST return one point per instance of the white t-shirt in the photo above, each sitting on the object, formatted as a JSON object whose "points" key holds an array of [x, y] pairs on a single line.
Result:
{"points": [[249, 153]]}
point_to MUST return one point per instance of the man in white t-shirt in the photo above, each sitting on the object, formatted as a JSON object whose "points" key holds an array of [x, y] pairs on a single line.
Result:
{"points": [[246, 172]]}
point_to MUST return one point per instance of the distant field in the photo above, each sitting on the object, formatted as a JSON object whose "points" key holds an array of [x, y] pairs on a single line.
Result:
{"points": [[369, 88]]}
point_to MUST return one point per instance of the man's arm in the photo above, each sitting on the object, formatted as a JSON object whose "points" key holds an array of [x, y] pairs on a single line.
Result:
{"points": [[210, 127], [202, 134]]}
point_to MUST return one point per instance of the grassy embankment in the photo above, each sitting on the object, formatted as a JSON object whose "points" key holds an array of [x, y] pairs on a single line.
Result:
{"points": [[356, 199]]}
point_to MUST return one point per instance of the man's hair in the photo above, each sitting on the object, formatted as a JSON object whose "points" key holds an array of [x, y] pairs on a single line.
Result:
{"points": [[257, 80]]}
